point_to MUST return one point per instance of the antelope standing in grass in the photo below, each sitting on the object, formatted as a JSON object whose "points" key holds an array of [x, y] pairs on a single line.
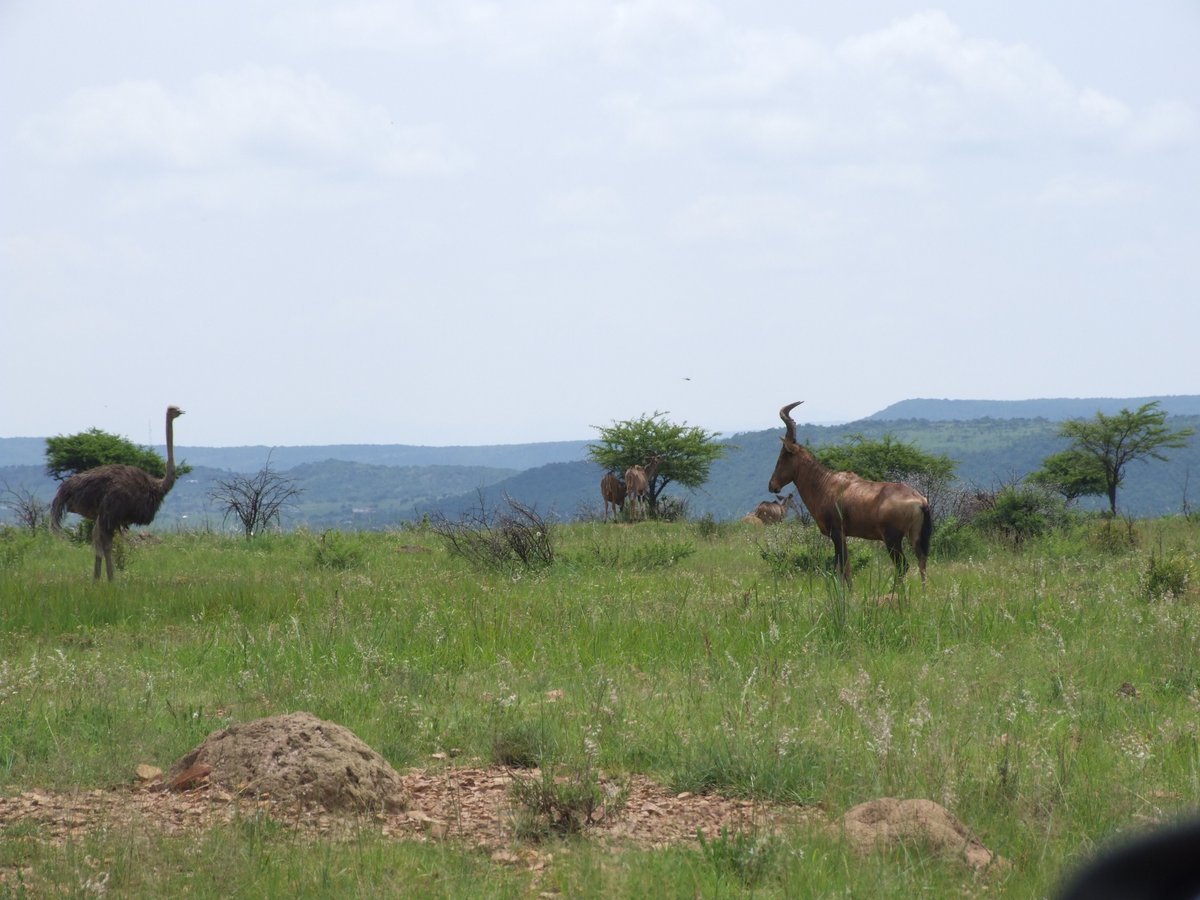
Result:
{"points": [[637, 484], [772, 512], [612, 489], [845, 505]]}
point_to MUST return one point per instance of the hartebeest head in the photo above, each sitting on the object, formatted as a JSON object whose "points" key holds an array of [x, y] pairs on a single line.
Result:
{"points": [[790, 455]]}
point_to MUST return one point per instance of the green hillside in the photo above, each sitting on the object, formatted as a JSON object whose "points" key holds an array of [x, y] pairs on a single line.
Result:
{"points": [[989, 452], [359, 493]]}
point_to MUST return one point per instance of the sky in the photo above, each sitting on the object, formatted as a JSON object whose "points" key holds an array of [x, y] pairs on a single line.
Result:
{"points": [[478, 222]]}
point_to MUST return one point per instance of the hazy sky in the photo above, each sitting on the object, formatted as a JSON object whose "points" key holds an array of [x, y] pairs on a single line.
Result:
{"points": [[469, 221]]}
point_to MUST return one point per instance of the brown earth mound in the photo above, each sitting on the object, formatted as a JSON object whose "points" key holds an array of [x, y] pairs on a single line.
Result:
{"points": [[296, 758], [891, 821]]}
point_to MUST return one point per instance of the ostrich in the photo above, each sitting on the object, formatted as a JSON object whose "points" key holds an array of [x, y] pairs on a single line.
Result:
{"points": [[115, 497]]}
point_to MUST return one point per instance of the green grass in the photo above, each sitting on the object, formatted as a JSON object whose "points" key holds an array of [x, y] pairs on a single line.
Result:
{"points": [[679, 652]]}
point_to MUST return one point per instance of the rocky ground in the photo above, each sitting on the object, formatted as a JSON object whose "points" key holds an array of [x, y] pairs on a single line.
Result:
{"points": [[318, 778]]}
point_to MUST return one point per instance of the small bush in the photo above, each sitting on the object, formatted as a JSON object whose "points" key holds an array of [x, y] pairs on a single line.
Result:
{"points": [[671, 509], [710, 529], [789, 551], [14, 544], [337, 550], [1114, 537], [747, 857], [1021, 513], [550, 805], [513, 540], [955, 539], [518, 745], [1166, 577]]}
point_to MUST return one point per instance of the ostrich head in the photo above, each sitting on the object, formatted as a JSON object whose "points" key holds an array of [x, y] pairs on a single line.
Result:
{"points": [[174, 412]]}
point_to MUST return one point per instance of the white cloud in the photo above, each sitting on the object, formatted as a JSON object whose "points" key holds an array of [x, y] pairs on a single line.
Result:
{"points": [[254, 115], [585, 205], [917, 86], [522, 31], [1086, 192], [1165, 125]]}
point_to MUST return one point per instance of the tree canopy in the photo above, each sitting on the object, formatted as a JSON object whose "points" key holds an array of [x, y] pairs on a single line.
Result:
{"points": [[68, 454], [1071, 473], [1103, 446], [886, 459], [687, 451]]}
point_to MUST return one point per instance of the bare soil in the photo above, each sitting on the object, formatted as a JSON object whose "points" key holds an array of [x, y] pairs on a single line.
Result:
{"points": [[321, 780]]}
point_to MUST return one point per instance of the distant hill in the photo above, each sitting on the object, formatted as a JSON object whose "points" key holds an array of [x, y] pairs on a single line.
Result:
{"points": [[989, 453], [32, 452], [1055, 410], [381, 486]]}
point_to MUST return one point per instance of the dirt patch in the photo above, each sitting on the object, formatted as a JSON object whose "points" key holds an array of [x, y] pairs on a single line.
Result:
{"points": [[319, 778], [891, 821], [295, 758], [473, 806]]}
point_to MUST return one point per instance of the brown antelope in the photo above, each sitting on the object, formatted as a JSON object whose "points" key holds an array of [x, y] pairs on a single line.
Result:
{"points": [[772, 512], [637, 484], [612, 489], [845, 505]]}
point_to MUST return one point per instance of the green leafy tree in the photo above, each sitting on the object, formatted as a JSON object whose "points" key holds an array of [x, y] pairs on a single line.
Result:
{"points": [[1071, 473], [1105, 445], [687, 452], [886, 459], [68, 454], [891, 459]]}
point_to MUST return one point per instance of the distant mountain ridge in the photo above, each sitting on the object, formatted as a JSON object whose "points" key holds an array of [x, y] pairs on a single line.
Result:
{"points": [[382, 486], [251, 458], [1054, 409]]}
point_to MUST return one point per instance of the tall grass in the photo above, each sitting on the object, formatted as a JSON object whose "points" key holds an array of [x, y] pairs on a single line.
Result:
{"points": [[672, 650]]}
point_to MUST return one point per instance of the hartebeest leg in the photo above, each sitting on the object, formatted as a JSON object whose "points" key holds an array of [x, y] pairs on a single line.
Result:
{"points": [[841, 554], [895, 548]]}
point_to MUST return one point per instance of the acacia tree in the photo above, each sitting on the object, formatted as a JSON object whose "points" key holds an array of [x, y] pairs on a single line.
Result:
{"points": [[1102, 447], [886, 459], [687, 452], [1071, 473], [891, 459], [69, 454]]}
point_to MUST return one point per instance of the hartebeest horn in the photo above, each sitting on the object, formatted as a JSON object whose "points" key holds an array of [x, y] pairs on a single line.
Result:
{"points": [[786, 415]]}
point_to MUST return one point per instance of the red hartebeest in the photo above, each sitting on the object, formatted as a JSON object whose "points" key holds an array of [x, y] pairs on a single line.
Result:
{"points": [[845, 505], [637, 484], [772, 512], [612, 489]]}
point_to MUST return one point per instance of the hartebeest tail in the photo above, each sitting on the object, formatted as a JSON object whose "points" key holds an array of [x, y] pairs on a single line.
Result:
{"points": [[844, 505]]}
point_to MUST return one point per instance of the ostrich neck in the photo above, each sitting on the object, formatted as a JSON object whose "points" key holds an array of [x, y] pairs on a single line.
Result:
{"points": [[169, 478]]}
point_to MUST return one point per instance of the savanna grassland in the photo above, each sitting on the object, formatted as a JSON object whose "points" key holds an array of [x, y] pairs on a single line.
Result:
{"points": [[1048, 696]]}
